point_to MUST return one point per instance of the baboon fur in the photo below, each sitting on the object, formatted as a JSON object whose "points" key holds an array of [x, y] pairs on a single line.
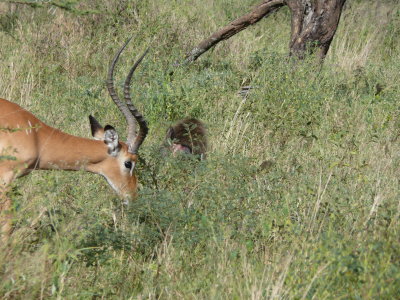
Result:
{"points": [[188, 136]]}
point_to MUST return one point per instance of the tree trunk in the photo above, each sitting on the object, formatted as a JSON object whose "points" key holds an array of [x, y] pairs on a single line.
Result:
{"points": [[314, 23]]}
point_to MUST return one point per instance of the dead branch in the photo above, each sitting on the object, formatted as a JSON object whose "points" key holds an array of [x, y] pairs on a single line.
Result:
{"points": [[262, 10]]}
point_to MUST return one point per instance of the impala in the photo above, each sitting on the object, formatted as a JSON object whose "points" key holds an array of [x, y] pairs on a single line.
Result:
{"points": [[27, 144]]}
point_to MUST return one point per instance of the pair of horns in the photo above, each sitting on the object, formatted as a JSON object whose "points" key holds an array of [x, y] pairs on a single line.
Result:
{"points": [[131, 114]]}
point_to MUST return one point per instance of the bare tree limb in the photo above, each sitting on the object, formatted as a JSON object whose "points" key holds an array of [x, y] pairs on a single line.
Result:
{"points": [[262, 10], [67, 5], [314, 23]]}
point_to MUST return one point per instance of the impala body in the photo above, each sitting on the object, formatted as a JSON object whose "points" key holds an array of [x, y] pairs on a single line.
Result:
{"points": [[26, 144]]}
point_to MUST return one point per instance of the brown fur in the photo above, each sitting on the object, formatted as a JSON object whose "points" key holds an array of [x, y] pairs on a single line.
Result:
{"points": [[26, 144], [188, 135]]}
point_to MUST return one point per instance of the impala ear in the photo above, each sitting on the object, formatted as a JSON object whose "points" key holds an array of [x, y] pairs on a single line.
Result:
{"points": [[96, 128], [111, 139]]}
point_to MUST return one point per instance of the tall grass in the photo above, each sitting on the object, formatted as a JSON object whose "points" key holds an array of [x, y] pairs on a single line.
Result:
{"points": [[299, 196]]}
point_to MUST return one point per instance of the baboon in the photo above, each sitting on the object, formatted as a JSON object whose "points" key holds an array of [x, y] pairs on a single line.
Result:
{"points": [[187, 136]]}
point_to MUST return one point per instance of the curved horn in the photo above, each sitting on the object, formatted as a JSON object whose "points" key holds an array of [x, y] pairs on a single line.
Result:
{"points": [[122, 106], [135, 142]]}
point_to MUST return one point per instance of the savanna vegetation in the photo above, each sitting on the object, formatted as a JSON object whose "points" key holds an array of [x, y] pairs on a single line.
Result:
{"points": [[299, 195]]}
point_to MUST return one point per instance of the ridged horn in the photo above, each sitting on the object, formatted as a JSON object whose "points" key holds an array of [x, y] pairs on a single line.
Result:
{"points": [[134, 142], [129, 111]]}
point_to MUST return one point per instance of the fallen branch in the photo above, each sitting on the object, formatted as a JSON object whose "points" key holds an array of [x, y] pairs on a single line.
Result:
{"points": [[262, 10]]}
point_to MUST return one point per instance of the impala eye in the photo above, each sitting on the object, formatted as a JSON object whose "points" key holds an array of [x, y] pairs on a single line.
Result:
{"points": [[128, 165]]}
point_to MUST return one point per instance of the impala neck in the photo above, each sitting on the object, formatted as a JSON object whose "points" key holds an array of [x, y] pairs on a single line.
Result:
{"points": [[59, 150]]}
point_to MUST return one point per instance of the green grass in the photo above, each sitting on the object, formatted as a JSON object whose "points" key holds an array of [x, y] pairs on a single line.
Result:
{"points": [[298, 199]]}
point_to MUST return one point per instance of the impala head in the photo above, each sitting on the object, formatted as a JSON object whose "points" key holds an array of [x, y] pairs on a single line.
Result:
{"points": [[118, 167]]}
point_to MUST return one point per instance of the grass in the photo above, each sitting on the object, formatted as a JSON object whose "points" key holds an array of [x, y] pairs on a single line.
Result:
{"points": [[299, 196]]}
